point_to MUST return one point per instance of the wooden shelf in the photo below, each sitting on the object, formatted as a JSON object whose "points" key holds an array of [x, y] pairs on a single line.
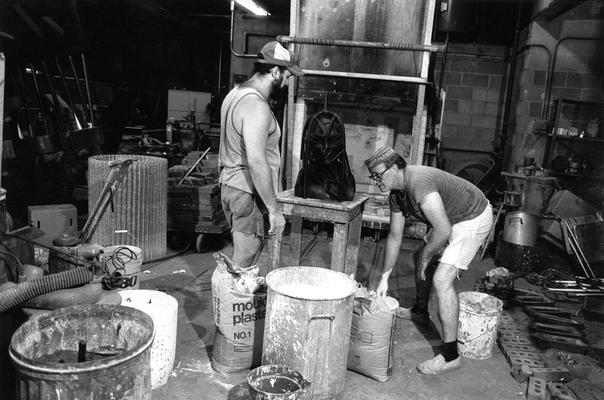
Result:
{"points": [[577, 138], [578, 176]]}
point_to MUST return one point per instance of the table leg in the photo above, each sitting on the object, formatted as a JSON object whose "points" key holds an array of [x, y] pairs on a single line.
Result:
{"points": [[295, 239], [354, 241], [339, 247]]}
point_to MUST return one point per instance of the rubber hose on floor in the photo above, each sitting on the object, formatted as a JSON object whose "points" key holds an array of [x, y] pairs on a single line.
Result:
{"points": [[28, 290]]}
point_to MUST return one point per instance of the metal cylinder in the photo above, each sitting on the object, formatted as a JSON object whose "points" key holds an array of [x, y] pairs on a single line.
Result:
{"points": [[308, 320], [139, 216], [521, 228], [116, 363]]}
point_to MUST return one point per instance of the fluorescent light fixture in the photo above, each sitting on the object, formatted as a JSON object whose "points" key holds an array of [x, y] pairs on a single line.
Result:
{"points": [[252, 7]]}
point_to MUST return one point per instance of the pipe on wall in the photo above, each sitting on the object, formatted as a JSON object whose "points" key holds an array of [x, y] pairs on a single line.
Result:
{"points": [[549, 61], [361, 44], [549, 83], [242, 55]]}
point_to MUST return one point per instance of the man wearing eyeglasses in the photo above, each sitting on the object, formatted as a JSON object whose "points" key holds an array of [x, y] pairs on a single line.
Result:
{"points": [[460, 218]]}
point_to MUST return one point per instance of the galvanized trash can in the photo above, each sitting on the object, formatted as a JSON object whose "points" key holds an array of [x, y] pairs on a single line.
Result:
{"points": [[116, 364], [307, 327]]}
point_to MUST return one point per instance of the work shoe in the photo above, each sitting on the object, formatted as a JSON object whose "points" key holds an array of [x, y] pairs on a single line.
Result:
{"points": [[421, 317], [438, 365]]}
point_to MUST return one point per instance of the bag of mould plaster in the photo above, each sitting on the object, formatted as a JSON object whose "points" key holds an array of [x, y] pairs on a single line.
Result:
{"points": [[371, 335], [239, 304]]}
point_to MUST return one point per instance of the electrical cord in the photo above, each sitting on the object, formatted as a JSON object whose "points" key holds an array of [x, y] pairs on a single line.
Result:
{"points": [[118, 277], [83, 260], [20, 266]]}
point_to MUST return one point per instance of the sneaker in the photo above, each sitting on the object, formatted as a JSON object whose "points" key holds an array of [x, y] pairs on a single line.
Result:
{"points": [[412, 315], [438, 365]]}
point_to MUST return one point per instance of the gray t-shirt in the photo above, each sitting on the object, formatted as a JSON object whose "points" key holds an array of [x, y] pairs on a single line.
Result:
{"points": [[462, 200]]}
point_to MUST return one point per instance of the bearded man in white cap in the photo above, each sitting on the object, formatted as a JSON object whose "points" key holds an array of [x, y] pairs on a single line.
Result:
{"points": [[460, 218], [249, 156]]}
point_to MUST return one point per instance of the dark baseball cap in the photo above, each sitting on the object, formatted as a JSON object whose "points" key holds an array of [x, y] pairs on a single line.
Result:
{"points": [[274, 54]]}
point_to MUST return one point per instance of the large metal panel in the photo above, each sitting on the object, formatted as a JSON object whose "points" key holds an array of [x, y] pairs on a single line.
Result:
{"points": [[140, 205]]}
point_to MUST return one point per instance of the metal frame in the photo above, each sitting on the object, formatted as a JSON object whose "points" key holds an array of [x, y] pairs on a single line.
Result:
{"points": [[420, 118]]}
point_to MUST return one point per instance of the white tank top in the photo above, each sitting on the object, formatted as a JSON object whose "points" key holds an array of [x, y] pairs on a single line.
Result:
{"points": [[232, 156]]}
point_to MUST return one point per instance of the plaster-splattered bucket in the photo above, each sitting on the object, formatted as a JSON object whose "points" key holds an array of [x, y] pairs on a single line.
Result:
{"points": [[113, 364], [477, 329], [308, 320], [276, 382]]}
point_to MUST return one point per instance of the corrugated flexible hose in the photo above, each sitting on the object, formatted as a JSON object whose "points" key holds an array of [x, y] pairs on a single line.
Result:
{"points": [[25, 291]]}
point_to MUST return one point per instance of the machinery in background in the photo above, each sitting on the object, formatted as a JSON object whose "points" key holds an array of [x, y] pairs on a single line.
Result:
{"points": [[72, 251]]}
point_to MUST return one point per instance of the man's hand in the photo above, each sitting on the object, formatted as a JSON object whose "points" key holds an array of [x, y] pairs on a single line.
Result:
{"points": [[382, 288], [420, 266], [277, 222]]}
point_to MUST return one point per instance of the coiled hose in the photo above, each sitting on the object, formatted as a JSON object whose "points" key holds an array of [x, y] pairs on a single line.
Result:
{"points": [[25, 291]]}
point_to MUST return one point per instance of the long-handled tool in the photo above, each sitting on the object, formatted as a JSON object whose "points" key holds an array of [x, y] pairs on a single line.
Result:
{"points": [[193, 167], [58, 110], [40, 99], [574, 244], [81, 94], [24, 99], [116, 175], [77, 124], [87, 90], [489, 239]]}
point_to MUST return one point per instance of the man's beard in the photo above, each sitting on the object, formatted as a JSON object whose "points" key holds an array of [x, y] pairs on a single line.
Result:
{"points": [[276, 93], [276, 89]]}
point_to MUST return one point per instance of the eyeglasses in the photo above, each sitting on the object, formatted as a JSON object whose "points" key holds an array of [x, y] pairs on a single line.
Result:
{"points": [[377, 177]]}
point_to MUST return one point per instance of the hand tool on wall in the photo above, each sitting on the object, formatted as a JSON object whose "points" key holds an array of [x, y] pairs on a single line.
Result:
{"points": [[24, 99], [78, 126], [90, 110], [57, 109], [40, 99], [81, 94]]}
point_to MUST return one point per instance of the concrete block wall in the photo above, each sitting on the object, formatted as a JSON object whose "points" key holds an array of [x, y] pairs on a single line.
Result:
{"points": [[474, 79], [564, 59], [250, 33]]}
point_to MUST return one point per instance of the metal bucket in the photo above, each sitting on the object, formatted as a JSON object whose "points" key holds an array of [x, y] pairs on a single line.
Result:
{"points": [[308, 320], [276, 382], [521, 228], [477, 329], [116, 363], [539, 191]]}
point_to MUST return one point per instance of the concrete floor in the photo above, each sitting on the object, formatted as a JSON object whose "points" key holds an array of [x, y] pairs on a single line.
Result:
{"points": [[187, 278]]}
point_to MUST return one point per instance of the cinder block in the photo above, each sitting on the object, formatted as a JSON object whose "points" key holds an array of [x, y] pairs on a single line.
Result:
{"points": [[539, 78], [475, 80], [463, 65], [521, 368], [536, 389], [459, 92], [559, 391], [491, 67], [556, 374], [528, 355], [479, 95], [494, 96], [452, 78]]}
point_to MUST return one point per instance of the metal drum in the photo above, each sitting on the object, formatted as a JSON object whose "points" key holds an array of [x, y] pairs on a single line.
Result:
{"points": [[307, 327], [114, 364], [521, 228]]}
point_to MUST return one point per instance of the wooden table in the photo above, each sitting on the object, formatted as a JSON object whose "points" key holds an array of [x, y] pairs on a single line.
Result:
{"points": [[346, 216]]}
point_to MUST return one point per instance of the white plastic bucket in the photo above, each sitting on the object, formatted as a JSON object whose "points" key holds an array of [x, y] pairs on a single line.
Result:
{"points": [[124, 262], [477, 328], [163, 310]]}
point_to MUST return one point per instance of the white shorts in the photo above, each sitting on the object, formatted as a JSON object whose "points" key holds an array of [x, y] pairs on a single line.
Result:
{"points": [[466, 238]]}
